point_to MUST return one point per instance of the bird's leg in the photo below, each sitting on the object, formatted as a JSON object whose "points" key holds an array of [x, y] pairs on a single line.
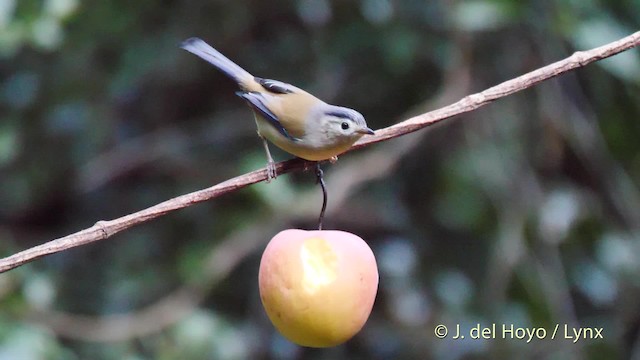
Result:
{"points": [[271, 165], [319, 175]]}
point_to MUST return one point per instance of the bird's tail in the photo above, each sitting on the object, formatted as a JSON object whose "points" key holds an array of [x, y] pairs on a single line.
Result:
{"points": [[200, 48]]}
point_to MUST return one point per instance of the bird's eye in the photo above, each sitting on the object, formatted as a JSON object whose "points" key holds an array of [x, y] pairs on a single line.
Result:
{"points": [[344, 125]]}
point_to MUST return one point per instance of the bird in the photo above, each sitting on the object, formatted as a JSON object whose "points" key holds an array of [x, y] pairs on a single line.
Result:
{"points": [[287, 116]]}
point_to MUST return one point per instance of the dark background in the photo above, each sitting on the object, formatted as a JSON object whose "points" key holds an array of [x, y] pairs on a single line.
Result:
{"points": [[524, 212]]}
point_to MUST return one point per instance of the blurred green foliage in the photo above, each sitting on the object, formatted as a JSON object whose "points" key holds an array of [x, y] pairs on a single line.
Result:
{"points": [[524, 212]]}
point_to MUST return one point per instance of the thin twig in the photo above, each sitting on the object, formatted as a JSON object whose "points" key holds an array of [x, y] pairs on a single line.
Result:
{"points": [[320, 176], [105, 229]]}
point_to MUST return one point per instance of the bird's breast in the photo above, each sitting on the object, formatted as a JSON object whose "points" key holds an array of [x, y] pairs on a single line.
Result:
{"points": [[312, 148]]}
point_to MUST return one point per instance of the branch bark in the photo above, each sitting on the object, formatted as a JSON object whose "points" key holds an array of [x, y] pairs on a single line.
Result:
{"points": [[105, 229]]}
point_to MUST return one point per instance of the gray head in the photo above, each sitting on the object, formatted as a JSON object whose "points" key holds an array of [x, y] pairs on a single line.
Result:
{"points": [[339, 124]]}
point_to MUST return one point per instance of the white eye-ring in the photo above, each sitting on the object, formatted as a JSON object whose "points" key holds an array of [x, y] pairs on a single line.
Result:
{"points": [[344, 125]]}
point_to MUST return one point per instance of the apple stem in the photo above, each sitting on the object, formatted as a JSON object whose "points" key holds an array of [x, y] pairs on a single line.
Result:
{"points": [[319, 175]]}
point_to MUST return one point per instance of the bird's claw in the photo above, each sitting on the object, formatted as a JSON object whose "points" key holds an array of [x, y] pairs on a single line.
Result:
{"points": [[271, 171]]}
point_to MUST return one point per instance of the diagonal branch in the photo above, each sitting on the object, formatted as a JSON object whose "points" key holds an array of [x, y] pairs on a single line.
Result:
{"points": [[105, 229]]}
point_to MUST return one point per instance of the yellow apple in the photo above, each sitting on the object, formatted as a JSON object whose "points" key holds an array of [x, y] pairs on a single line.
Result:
{"points": [[318, 287]]}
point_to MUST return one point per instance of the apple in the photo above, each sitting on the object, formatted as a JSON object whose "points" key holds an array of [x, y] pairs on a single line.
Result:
{"points": [[318, 287]]}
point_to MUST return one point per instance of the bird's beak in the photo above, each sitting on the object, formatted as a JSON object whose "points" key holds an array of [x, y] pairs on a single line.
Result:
{"points": [[366, 131]]}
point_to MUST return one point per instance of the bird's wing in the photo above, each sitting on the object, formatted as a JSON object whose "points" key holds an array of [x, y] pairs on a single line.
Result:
{"points": [[257, 101], [291, 105], [275, 86], [285, 106]]}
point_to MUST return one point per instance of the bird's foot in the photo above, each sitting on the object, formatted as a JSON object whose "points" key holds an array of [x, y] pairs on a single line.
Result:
{"points": [[271, 171]]}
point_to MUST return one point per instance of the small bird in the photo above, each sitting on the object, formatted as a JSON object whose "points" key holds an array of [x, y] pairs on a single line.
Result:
{"points": [[291, 118]]}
